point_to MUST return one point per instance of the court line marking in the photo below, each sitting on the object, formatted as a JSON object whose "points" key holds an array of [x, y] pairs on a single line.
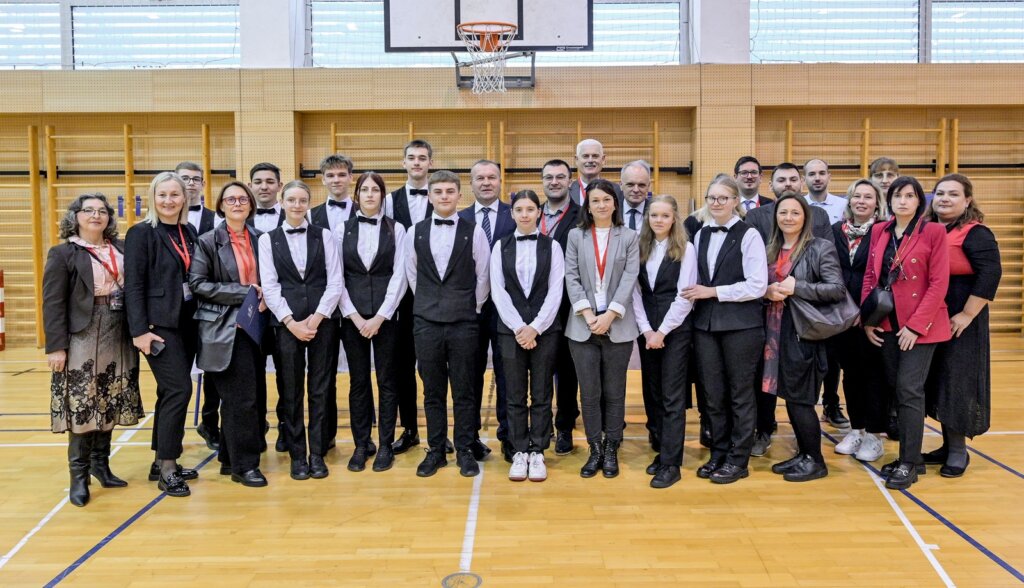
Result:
{"points": [[46, 519], [113, 534], [985, 456], [949, 524], [469, 535]]}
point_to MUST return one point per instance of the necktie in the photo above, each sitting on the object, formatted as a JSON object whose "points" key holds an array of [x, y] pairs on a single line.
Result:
{"points": [[342, 203], [265, 211], [293, 231], [527, 237], [418, 192], [632, 218], [195, 208], [444, 221], [749, 204], [485, 224], [364, 219], [711, 229]]}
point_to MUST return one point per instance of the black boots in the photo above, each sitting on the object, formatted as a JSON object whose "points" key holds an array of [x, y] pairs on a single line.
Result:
{"points": [[594, 462], [79, 449], [610, 468], [99, 461]]}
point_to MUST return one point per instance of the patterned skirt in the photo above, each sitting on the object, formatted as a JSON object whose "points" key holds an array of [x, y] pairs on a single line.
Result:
{"points": [[99, 387]]}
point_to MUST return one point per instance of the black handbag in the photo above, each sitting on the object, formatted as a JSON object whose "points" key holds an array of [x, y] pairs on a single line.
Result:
{"points": [[817, 322], [877, 306]]}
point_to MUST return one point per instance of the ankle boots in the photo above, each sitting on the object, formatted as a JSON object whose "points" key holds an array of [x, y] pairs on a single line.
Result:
{"points": [[610, 467], [594, 462], [89, 453]]}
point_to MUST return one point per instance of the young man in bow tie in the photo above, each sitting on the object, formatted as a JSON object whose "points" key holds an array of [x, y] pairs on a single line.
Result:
{"points": [[265, 183], [336, 173], [201, 218]]}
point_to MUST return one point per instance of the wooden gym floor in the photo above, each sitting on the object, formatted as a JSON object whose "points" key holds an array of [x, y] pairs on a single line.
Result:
{"points": [[394, 529]]}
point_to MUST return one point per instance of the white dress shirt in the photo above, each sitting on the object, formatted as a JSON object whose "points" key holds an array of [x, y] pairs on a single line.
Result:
{"points": [[755, 262], [369, 240], [680, 307], [417, 204], [626, 214], [526, 271], [493, 214], [337, 215], [834, 205], [442, 241], [267, 222], [195, 217], [270, 281]]}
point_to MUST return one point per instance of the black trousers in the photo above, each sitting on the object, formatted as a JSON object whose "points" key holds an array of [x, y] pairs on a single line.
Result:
{"points": [[488, 325], [210, 412], [723, 363], [242, 430], [529, 371], [446, 353], [864, 381], [664, 375], [172, 370], [906, 372], [292, 375], [405, 365], [830, 387], [269, 348], [331, 399], [601, 368], [766, 403], [360, 392], [567, 385]]}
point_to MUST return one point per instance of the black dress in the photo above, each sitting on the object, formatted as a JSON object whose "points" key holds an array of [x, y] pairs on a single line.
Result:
{"points": [[958, 390]]}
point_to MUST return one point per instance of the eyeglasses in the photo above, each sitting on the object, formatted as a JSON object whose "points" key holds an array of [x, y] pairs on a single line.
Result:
{"points": [[94, 211], [192, 179], [718, 199], [559, 177], [236, 200], [750, 173]]}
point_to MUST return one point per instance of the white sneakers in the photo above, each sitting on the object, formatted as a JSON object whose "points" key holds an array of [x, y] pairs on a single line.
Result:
{"points": [[851, 443], [528, 466], [871, 448]]}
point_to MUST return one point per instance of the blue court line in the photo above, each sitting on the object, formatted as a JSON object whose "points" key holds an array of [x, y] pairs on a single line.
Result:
{"points": [[103, 542], [949, 524], [988, 457]]}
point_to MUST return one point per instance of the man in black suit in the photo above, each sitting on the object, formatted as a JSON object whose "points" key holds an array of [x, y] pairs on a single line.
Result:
{"points": [[409, 205], [589, 163], [635, 181], [336, 174], [202, 220], [558, 217], [495, 218], [747, 173]]}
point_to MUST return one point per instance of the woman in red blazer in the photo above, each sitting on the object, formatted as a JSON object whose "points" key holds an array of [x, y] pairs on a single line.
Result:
{"points": [[910, 254]]}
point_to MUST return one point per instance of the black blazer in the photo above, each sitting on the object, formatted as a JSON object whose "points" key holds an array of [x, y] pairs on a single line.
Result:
{"points": [[692, 224], [503, 223], [400, 209], [215, 282], [761, 219], [153, 275], [67, 293], [853, 273], [318, 214]]}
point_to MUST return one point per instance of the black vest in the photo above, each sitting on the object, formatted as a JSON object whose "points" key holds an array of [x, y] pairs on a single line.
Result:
{"points": [[400, 207], [452, 297], [367, 287], [710, 314], [658, 298], [302, 294], [528, 306]]}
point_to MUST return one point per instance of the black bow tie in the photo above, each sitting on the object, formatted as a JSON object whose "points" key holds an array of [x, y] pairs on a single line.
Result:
{"points": [[364, 219], [265, 211], [444, 221], [195, 208], [293, 231], [532, 237], [342, 203], [711, 229], [417, 192]]}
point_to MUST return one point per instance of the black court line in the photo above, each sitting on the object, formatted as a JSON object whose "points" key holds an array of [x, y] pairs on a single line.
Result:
{"points": [[21, 372], [983, 455], [949, 524], [120, 529]]}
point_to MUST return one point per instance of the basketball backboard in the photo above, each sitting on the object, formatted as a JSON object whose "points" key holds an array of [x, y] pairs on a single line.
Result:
{"points": [[544, 25]]}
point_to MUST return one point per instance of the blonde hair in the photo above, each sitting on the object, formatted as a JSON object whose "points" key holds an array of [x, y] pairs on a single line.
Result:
{"points": [[677, 237], [881, 210], [151, 215], [704, 215]]}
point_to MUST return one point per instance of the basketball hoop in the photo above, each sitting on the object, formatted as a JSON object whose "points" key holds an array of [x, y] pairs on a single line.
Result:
{"points": [[487, 44]]}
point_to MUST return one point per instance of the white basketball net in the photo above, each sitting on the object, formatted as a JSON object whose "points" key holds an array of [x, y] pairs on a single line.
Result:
{"points": [[487, 44]]}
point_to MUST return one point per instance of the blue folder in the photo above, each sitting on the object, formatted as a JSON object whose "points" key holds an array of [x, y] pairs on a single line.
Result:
{"points": [[250, 319]]}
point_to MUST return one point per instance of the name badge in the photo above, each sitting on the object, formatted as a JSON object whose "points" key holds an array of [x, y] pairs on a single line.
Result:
{"points": [[601, 299], [186, 292]]}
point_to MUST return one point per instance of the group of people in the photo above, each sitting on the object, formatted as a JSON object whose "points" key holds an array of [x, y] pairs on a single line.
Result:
{"points": [[555, 292]]}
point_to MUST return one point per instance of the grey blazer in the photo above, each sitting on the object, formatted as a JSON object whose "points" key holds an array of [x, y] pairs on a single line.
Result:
{"points": [[622, 269]]}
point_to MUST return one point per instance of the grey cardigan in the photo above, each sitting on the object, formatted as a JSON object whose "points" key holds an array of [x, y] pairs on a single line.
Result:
{"points": [[622, 269]]}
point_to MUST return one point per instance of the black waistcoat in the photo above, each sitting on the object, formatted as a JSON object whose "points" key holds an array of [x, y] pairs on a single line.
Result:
{"points": [[303, 294], [528, 306], [711, 314], [452, 297], [367, 286], [657, 298]]}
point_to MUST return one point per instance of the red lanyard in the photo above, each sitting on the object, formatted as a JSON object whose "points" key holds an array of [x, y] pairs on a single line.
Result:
{"points": [[186, 257], [583, 190], [601, 261], [245, 256], [544, 221], [112, 267]]}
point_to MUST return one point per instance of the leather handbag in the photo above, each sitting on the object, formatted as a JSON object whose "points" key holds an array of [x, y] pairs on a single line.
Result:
{"points": [[817, 322], [877, 306]]}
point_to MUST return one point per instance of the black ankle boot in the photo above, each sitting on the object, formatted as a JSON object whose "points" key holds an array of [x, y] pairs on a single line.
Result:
{"points": [[610, 469], [594, 462], [79, 447], [99, 461]]}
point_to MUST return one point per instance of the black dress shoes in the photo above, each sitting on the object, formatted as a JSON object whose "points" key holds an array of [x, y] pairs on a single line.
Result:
{"points": [[407, 441], [937, 457], [300, 469], [805, 470], [211, 436], [705, 433], [466, 460], [563, 443], [225, 469], [654, 441], [448, 447], [384, 460], [948, 471], [890, 467], [784, 466], [704, 472], [358, 461], [506, 450], [251, 478], [174, 485], [185, 473], [665, 477], [433, 461], [479, 449], [729, 473], [655, 466], [902, 477], [280, 446], [317, 467]]}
